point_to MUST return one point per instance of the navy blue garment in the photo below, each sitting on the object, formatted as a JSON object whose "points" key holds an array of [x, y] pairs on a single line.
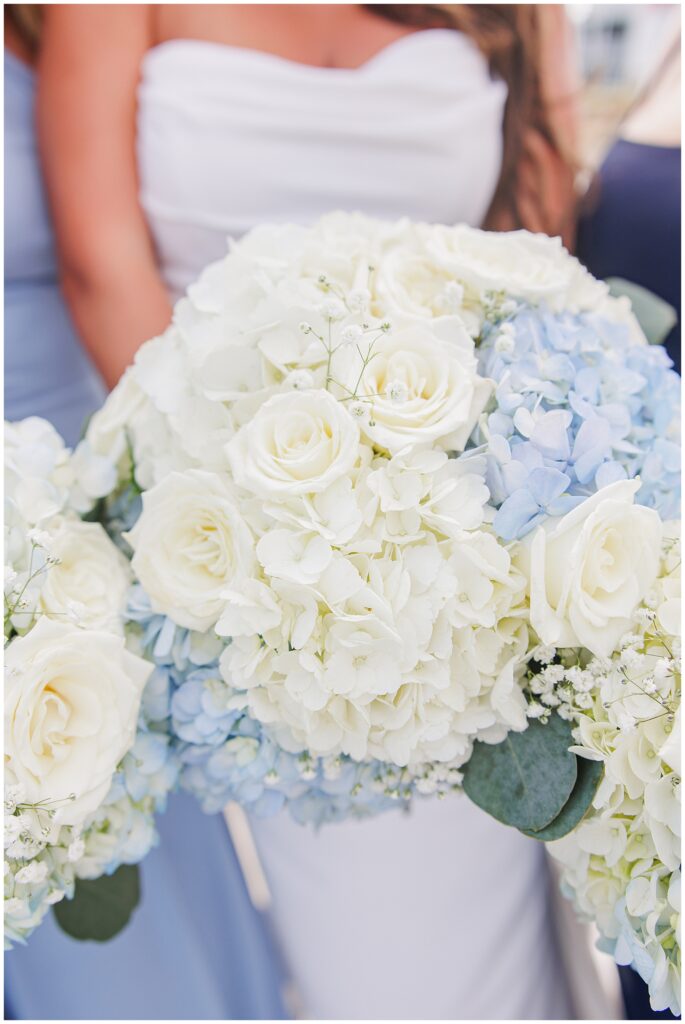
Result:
{"points": [[631, 228], [636, 998]]}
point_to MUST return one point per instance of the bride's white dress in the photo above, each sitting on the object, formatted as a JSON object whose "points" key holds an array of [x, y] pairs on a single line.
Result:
{"points": [[440, 913]]}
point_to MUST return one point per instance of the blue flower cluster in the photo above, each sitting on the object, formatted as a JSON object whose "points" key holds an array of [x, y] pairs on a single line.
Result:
{"points": [[579, 404], [122, 831], [223, 754]]}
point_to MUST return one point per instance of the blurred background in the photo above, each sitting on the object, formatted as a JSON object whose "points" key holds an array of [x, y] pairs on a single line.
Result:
{"points": [[620, 46]]}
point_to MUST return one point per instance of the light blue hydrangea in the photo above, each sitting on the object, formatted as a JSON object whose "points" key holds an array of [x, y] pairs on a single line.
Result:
{"points": [[578, 405], [223, 754]]}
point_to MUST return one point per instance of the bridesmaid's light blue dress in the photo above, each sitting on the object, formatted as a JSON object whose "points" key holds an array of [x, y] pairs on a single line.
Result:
{"points": [[195, 948], [47, 371]]}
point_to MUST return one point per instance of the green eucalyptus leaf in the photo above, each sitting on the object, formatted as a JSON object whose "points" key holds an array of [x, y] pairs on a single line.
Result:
{"points": [[655, 316], [525, 780], [100, 907], [578, 804]]}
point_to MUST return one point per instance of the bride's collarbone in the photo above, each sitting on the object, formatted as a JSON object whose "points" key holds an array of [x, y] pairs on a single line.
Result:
{"points": [[327, 36]]}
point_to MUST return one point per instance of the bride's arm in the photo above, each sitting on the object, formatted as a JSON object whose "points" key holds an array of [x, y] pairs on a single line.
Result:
{"points": [[88, 77]]}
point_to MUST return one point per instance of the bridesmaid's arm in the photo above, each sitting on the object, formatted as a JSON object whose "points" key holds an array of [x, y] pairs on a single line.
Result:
{"points": [[88, 76]]}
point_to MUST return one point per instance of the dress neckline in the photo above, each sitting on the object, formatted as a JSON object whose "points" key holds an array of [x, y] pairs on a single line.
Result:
{"points": [[289, 65]]}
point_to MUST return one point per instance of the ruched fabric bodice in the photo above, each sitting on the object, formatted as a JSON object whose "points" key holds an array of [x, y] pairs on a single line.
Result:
{"points": [[231, 138], [47, 372]]}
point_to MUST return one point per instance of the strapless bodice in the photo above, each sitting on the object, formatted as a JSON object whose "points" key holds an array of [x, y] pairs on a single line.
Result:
{"points": [[229, 138]]}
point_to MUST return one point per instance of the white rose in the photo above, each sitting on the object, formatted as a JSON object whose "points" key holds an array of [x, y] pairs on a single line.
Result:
{"points": [[408, 282], [528, 266], [422, 386], [298, 443], [91, 574], [589, 570], [71, 705], [190, 544]]}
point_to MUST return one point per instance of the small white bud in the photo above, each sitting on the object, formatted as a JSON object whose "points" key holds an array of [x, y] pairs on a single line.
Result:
{"points": [[359, 300], [545, 654], [453, 295], [663, 668], [332, 309], [75, 850], [41, 538], [299, 380], [397, 392], [504, 344], [351, 334]]}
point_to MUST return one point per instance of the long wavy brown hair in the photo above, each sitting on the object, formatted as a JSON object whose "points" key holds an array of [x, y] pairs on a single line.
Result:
{"points": [[535, 188], [536, 184], [25, 19]]}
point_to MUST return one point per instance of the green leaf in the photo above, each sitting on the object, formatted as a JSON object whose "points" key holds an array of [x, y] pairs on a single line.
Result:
{"points": [[655, 316], [525, 780], [589, 777], [100, 907]]}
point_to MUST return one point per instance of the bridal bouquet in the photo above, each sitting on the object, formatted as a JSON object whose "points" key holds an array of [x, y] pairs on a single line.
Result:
{"points": [[82, 779], [397, 503]]}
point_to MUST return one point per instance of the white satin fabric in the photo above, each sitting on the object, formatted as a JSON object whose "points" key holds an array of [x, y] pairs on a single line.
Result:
{"points": [[229, 138], [441, 913]]}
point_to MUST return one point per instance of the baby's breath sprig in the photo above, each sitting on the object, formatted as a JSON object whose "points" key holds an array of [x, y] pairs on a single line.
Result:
{"points": [[16, 603]]}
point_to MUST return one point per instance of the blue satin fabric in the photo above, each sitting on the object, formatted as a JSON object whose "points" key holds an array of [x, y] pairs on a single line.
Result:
{"points": [[195, 948]]}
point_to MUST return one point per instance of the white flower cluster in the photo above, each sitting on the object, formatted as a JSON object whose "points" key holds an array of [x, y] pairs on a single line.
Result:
{"points": [[47, 487], [294, 432], [72, 690], [250, 328], [622, 864]]}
